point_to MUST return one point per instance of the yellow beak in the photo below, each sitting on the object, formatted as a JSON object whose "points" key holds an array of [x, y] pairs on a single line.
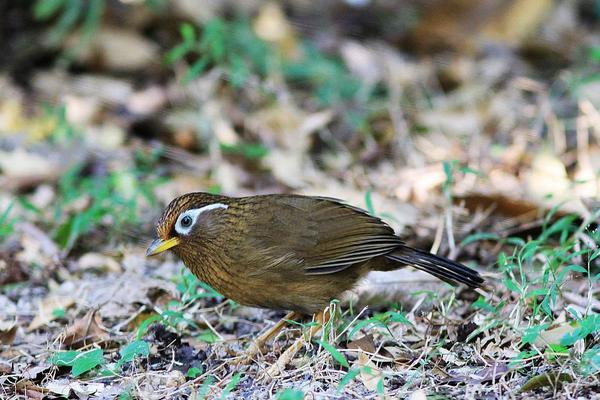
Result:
{"points": [[158, 246]]}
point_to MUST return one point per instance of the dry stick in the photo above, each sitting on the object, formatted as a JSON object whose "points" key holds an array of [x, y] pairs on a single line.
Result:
{"points": [[212, 329], [449, 232], [117, 327], [439, 232], [173, 362], [352, 322], [593, 116]]}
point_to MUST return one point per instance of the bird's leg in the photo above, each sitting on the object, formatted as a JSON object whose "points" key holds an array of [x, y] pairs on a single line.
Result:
{"points": [[321, 318], [257, 345]]}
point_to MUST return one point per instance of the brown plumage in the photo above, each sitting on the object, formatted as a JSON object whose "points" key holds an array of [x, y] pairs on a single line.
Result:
{"points": [[288, 252]]}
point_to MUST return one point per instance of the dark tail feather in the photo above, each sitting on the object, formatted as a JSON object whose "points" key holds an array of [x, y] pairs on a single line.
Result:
{"points": [[440, 267]]}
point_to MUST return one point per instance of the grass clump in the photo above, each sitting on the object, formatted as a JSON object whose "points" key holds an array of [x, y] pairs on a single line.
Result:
{"points": [[68, 15], [85, 202], [536, 274], [234, 47]]}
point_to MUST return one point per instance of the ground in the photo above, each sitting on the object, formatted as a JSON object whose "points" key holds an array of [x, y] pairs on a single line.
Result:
{"points": [[477, 141]]}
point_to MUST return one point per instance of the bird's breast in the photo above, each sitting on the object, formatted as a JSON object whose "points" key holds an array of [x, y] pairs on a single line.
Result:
{"points": [[274, 290]]}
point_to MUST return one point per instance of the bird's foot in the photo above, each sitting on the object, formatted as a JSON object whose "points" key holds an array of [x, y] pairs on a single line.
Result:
{"points": [[288, 355], [256, 347]]}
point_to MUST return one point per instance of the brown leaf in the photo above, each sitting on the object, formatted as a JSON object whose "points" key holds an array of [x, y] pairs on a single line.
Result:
{"points": [[117, 48], [99, 262], [64, 388], [37, 246], [30, 389], [517, 21], [8, 332], [11, 270], [551, 379], [370, 375], [554, 336], [85, 331], [364, 343], [478, 374], [141, 317], [464, 25], [36, 372], [503, 205], [47, 306], [22, 169], [548, 183]]}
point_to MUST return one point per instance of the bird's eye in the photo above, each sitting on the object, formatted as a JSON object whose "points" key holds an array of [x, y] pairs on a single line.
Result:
{"points": [[186, 221]]}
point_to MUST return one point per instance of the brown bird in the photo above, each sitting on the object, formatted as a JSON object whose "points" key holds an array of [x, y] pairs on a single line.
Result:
{"points": [[288, 252]]}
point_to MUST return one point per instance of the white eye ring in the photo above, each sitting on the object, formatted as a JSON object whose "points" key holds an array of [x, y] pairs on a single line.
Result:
{"points": [[187, 220]]}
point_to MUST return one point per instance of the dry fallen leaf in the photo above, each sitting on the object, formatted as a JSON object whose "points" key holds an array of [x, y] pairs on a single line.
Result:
{"points": [[418, 395], [56, 84], [85, 331], [147, 100], [99, 261], [288, 131], [548, 183], [369, 375], [364, 343], [452, 123], [467, 24], [227, 176], [516, 22], [108, 137], [271, 25], [11, 270], [30, 389], [64, 387], [37, 247], [84, 390], [473, 375], [60, 386], [81, 110], [116, 48], [362, 61], [21, 165], [8, 332], [288, 126], [416, 185], [157, 380], [554, 336], [11, 116], [36, 373], [119, 296], [46, 312], [288, 167], [550, 379]]}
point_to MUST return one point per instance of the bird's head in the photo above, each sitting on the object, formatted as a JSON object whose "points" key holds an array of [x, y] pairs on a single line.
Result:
{"points": [[188, 221]]}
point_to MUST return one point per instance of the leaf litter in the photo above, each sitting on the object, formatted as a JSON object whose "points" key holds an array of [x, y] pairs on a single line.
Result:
{"points": [[498, 165]]}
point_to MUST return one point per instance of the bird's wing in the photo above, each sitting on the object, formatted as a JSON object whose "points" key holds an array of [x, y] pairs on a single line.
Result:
{"points": [[315, 235]]}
